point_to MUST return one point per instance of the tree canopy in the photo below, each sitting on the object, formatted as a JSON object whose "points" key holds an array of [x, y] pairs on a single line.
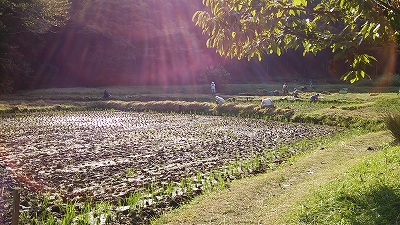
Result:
{"points": [[350, 28], [21, 24], [64, 43]]}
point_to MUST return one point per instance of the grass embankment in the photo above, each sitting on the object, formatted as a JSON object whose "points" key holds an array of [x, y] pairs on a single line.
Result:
{"points": [[331, 184], [350, 110]]}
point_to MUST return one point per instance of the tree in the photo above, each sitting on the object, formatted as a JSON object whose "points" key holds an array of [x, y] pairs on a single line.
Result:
{"points": [[37, 16], [21, 25], [216, 74], [350, 28], [105, 29]]}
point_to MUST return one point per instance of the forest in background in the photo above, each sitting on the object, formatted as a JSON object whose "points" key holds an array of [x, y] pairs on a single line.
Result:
{"points": [[141, 42]]}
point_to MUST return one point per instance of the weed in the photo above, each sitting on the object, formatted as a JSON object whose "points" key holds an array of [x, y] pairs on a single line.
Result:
{"points": [[170, 188], [392, 122], [69, 214], [133, 201], [130, 172]]}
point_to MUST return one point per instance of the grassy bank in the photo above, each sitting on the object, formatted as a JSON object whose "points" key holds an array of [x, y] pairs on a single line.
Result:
{"points": [[368, 193]]}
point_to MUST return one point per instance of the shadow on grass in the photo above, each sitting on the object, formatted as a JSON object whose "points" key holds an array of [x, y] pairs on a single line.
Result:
{"points": [[380, 206]]}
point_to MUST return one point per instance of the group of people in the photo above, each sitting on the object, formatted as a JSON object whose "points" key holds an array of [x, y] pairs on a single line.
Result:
{"points": [[285, 91], [267, 102], [219, 100], [295, 94]]}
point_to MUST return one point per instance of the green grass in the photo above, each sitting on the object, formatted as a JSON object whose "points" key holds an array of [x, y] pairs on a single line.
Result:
{"points": [[368, 193]]}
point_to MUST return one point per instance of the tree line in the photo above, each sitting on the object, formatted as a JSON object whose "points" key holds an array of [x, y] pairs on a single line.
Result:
{"points": [[62, 43]]}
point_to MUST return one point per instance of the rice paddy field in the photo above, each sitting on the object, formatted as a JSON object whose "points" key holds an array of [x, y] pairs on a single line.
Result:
{"points": [[107, 156], [79, 159]]}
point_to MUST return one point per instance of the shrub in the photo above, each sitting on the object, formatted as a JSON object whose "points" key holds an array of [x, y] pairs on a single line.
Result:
{"points": [[216, 74], [365, 83], [392, 122]]}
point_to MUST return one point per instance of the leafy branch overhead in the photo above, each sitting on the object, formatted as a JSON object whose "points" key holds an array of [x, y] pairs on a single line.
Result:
{"points": [[350, 28]]}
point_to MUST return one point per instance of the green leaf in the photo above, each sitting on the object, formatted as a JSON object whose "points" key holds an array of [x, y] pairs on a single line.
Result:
{"points": [[342, 2], [362, 73], [299, 2], [259, 56], [208, 43], [240, 6], [278, 51], [347, 75]]}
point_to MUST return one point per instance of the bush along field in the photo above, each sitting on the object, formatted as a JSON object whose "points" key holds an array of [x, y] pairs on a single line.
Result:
{"points": [[82, 159]]}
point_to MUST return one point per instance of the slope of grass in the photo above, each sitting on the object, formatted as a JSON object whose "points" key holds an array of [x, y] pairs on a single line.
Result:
{"points": [[368, 193]]}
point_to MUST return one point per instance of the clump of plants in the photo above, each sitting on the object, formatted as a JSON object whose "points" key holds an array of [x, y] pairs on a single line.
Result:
{"points": [[392, 122]]}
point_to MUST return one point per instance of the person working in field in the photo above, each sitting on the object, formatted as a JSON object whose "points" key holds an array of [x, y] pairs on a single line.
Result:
{"points": [[219, 100], [213, 87], [295, 93], [267, 103], [106, 94], [314, 97]]}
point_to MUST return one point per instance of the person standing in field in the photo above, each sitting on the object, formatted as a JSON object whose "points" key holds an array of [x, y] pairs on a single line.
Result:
{"points": [[285, 88], [106, 94], [213, 88]]}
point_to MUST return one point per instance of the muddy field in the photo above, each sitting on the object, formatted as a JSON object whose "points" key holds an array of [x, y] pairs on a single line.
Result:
{"points": [[106, 155]]}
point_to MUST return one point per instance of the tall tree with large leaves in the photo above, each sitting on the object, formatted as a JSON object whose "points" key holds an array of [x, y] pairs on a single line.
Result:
{"points": [[21, 24], [350, 28]]}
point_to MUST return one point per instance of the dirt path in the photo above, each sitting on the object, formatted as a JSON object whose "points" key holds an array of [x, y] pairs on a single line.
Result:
{"points": [[265, 198]]}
